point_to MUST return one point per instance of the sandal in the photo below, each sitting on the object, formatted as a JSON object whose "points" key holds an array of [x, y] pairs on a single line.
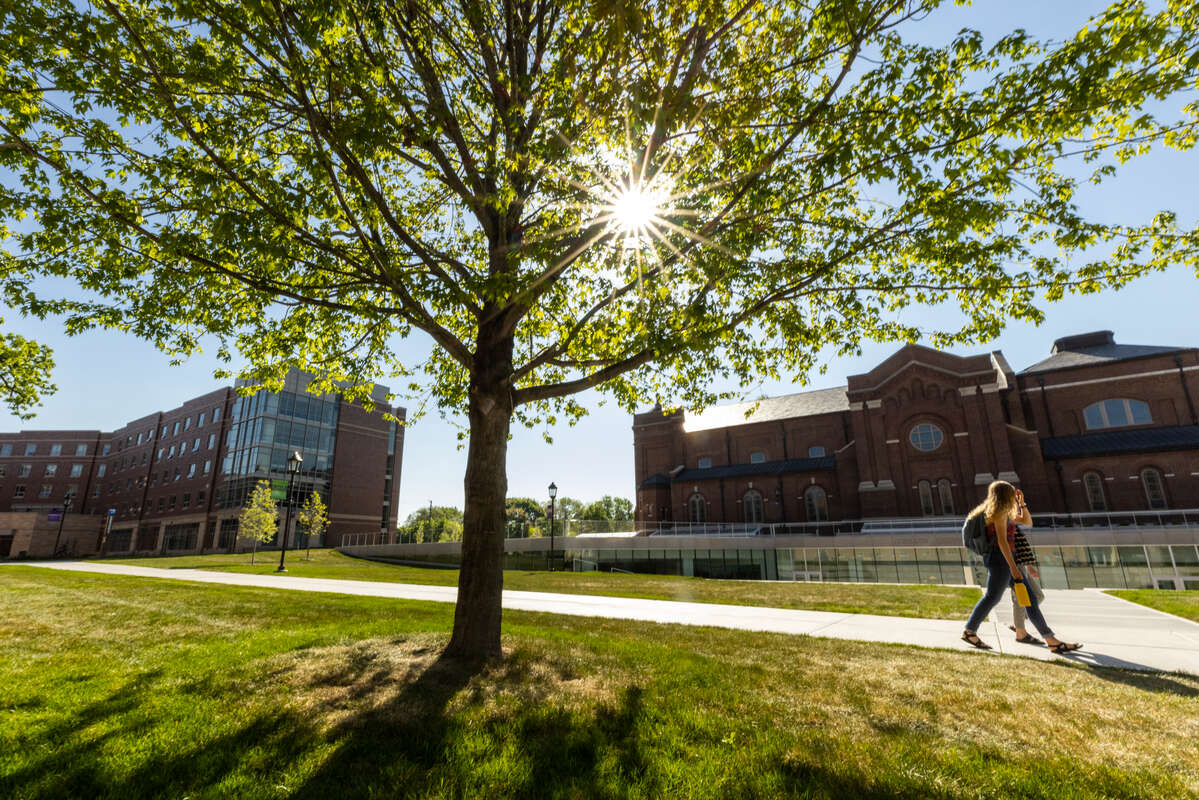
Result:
{"points": [[1065, 647], [1028, 637], [972, 639]]}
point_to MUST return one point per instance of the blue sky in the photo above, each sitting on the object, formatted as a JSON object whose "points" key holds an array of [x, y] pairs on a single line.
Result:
{"points": [[107, 379]]}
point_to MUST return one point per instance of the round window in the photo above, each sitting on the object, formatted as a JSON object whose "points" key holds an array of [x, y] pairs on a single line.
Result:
{"points": [[926, 437]]}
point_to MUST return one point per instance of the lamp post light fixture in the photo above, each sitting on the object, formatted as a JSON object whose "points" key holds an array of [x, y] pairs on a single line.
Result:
{"points": [[293, 466], [66, 506], [553, 493]]}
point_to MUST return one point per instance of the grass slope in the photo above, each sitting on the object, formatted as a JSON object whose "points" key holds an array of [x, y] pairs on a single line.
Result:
{"points": [[135, 688], [1180, 604], [926, 602]]}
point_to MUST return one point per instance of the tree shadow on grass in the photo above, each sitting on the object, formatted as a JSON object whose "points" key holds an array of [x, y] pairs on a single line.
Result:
{"points": [[80, 754], [465, 729]]}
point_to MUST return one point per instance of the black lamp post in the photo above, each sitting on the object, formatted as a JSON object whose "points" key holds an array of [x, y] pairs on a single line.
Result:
{"points": [[553, 494], [293, 466], [66, 506]]}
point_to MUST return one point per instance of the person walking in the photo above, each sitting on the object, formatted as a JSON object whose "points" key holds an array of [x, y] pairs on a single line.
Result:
{"points": [[1004, 509], [1026, 561]]}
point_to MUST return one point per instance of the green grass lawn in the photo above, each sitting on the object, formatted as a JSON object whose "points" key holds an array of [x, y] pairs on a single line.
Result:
{"points": [[927, 601], [1182, 604], [132, 688]]}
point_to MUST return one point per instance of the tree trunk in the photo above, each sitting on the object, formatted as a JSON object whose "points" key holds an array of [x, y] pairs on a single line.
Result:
{"points": [[481, 580]]}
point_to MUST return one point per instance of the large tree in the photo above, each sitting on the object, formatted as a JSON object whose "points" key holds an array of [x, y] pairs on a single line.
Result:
{"points": [[639, 197]]}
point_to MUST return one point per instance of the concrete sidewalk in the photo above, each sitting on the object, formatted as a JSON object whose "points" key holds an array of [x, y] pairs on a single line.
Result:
{"points": [[1115, 633]]}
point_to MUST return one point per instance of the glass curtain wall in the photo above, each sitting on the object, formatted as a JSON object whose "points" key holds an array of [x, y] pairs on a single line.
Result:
{"points": [[264, 430]]}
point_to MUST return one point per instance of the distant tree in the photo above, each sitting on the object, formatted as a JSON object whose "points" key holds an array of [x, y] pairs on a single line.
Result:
{"points": [[610, 508], [314, 518], [431, 524], [259, 520], [523, 509]]}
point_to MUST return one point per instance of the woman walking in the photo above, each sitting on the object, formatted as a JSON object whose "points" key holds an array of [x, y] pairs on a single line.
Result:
{"points": [[1003, 509]]}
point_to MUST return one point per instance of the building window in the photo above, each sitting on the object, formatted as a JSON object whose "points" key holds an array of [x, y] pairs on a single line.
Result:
{"points": [[926, 498], [757, 458], [18, 490], [31, 449], [171, 452], [926, 437], [704, 463], [45, 490], [139, 438], [211, 440], [1094, 486], [76, 470], [51, 470], [176, 473], [191, 470], [81, 449], [200, 498], [753, 506], [164, 431], [5, 450], [187, 424], [1116, 413], [25, 471], [56, 449], [816, 503], [207, 466], [216, 414], [182, 448], [3, 470], [1155, 490], [161, 503], [815, 451], [200, 422], [697, 508], [187, 500], [161, 450], [945, 490], [171, 503]]}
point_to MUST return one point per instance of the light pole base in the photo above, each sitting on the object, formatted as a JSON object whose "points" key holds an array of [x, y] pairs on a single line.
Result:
{"points": [[281, 569]]}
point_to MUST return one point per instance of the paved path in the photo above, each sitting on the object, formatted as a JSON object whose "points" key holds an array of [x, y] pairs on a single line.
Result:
{"points": [[1115, 633]]}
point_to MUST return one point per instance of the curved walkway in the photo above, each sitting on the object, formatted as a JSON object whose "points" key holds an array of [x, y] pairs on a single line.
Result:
{"points": [[1116, 633]]}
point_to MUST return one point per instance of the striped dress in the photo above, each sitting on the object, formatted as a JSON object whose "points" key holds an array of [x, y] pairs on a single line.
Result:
{"points": [[1021, 550]]}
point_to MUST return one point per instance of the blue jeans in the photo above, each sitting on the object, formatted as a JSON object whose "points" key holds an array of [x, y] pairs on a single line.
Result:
{"points": [[999, 580]]}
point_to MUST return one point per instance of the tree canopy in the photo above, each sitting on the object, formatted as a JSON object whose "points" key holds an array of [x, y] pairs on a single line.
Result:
{"points": [[565, 195]]}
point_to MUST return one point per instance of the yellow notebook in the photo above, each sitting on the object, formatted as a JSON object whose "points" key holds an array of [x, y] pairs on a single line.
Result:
{"points": [[1021, 590]]}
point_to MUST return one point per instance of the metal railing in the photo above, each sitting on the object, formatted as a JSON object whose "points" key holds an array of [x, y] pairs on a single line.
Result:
{"points": [[364, 538], [1114, 520]]}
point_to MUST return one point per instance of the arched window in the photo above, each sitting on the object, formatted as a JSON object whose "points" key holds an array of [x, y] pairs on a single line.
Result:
{"points": [[816, 503], [945, 490], [926, 437], [926, 498], [1116, 413], [697, 508], [815, 451], [753, 506], [757, 458], [1094, 486], [1155, 490]]}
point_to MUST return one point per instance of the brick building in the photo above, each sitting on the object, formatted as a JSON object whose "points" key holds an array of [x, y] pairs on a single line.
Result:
{"points": [[175, 481], [1096, 426]]}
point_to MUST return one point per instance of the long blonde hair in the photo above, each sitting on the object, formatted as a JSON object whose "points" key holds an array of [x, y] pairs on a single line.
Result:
{"points": [[1000, 499]]}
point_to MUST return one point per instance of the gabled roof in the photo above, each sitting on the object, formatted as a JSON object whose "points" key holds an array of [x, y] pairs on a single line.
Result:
{"points": [[802, 404], [765, 468], [1090, 349], [1136, 440]]}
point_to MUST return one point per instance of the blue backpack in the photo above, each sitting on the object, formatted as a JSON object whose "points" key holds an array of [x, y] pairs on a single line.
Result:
{"points": [[974, 535]]}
